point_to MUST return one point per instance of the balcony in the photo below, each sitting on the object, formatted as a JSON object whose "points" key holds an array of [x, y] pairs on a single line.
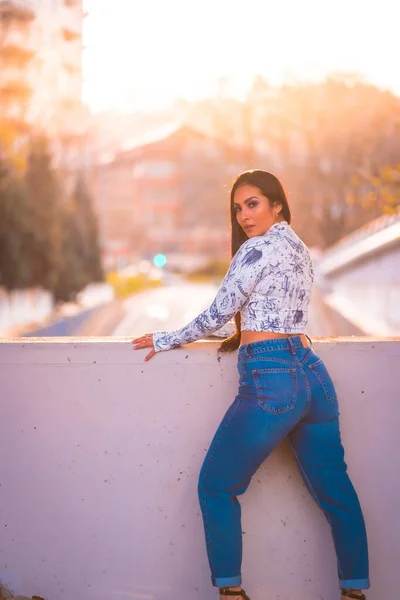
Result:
{"points": [[19, 34], [15, 54], [14, 89], [100, 457], [70, 105], [17, 9], [72, 58], [72, 68], [72, 20], [71, 34]]}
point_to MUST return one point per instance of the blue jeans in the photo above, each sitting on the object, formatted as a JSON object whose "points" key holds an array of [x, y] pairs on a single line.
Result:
{"points": [[284, 391]]}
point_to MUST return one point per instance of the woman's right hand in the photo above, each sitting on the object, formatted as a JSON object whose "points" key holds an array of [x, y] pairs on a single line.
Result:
{"points": [[145, 341]]}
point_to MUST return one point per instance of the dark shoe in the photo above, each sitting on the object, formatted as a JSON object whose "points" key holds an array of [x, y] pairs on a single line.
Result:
{"points": [[353, 594], [228, 592]]}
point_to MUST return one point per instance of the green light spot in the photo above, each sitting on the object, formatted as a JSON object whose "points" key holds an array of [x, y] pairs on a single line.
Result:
{"points": [[160, 260]]}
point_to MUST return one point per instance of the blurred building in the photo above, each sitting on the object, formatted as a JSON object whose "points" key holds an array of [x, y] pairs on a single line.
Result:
{"points": [[41, 69], [168, 195], [17, 50]]}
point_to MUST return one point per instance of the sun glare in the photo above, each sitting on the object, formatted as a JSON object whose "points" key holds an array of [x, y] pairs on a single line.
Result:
{"points": [[146, 54]]}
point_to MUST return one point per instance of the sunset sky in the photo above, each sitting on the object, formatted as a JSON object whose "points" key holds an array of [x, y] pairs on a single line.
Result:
{"points": [[145, 53]]}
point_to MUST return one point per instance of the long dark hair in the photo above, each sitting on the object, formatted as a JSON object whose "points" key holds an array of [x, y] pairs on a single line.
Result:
{"points": [[271, 187]]}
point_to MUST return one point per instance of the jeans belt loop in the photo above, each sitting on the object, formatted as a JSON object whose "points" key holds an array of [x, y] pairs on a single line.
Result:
{"points": [[291, 346]]}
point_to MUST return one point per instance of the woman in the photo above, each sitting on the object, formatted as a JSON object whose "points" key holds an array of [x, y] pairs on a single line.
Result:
{"points": [[284, 388]]}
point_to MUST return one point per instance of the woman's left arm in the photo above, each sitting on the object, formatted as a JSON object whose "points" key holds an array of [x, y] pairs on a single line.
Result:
{"points": [[246, 270]]}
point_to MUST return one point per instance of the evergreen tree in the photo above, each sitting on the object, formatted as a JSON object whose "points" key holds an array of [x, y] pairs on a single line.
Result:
{"points": [[80, 259], [91, 252], [45, 240], [71, 277], [15, 251], [44, 196]]}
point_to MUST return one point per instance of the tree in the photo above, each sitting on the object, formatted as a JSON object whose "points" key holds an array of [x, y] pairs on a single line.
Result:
{"points": [[80, 258], [90, 231], [45, 200], [335, 145], [15, 251], [380, 192], [46, 239]]}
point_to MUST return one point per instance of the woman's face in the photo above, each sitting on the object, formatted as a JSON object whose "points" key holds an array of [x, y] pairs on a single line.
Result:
{"points": [[253, 211]]}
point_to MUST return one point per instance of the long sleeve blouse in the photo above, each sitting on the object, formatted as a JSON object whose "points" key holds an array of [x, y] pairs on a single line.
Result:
{"points": [[269, 281]]}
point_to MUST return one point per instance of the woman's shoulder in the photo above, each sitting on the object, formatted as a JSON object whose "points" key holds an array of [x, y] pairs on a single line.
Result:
{"points": [[253, 251], [253, 242], [286, 234], [254, 245]]}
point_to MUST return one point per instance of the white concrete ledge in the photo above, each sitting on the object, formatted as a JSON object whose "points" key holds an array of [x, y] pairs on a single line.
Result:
{"points": [[100, 454], [381, 235]]}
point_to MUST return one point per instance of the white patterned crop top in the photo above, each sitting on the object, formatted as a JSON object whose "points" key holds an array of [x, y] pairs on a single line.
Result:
{"points": [[269, 281]]}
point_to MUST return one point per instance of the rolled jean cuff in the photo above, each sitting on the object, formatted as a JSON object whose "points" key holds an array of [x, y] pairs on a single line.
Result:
{"points": [[355, 584], [226, 581]]}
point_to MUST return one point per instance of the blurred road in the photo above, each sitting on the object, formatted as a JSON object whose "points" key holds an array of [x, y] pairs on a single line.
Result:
{"points": [[171, 307], [166, 308]]}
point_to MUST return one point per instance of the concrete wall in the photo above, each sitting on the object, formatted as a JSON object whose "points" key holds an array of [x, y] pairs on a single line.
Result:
{"points": [[100, 454]]}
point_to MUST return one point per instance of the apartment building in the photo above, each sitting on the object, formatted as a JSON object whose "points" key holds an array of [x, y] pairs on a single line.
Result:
{"points": [[41, 66], [17, 50], [170, 195]]}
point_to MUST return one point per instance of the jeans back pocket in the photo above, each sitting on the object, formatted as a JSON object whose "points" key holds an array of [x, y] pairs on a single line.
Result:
{"points": [[276, 389], [321, 373]]}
